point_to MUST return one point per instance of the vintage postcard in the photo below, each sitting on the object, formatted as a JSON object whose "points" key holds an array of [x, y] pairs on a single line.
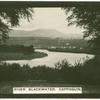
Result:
{"points": [[49, 48]]}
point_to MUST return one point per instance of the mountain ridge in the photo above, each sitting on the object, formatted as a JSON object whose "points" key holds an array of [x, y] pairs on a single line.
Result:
{"points": [[51, 33]]}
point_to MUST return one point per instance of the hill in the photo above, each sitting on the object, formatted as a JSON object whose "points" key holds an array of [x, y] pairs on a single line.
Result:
{"points": [[50, 33]]}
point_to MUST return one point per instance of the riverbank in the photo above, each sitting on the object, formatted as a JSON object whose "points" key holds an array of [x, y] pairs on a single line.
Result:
{"points": [[20, 56], [72, 50]]}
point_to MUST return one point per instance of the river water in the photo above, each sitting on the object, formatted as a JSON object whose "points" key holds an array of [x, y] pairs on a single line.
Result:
{"points": [[53, 58]]}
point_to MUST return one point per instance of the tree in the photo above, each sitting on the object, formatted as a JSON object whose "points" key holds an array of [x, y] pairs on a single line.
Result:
{"points": [[87, 17], [10, 17]]}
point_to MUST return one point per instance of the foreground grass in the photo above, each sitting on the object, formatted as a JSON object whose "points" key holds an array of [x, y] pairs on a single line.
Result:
{"points": [[21, 56]]}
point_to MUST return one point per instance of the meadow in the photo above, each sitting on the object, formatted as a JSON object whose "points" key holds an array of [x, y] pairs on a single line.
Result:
{"points": [[19, 52]]}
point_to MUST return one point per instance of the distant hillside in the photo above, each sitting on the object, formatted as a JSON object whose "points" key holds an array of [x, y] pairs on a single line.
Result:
{"points": [[44, 42], [51, 33]]}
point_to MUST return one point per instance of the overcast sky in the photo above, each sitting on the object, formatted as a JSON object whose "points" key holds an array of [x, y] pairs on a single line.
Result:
{"points": [[49, 18]]}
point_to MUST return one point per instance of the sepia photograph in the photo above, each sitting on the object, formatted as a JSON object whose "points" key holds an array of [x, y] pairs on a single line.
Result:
{"points": [[50, 47]]}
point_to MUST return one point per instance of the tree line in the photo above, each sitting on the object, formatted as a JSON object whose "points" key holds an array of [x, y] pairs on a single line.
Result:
{"points": [[86, 73]]}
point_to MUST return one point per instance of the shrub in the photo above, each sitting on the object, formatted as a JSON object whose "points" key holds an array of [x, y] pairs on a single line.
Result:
{"points": [[80, 73], [68, 73], [91, 71]]}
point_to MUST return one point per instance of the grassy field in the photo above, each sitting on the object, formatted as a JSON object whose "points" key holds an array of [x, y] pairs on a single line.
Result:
{"points": [[7, 87], [20, 56]]}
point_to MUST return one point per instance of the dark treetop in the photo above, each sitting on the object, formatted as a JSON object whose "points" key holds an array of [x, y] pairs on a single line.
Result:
{"points": [[10, 17], [87, 17]]}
